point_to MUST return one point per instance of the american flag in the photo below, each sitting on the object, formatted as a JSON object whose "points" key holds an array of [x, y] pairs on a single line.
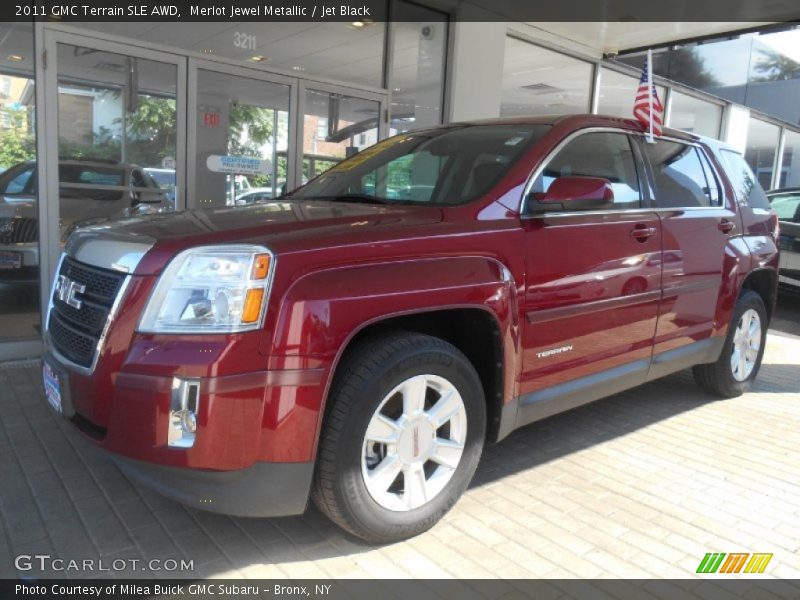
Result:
{"points": [[648, 109]]}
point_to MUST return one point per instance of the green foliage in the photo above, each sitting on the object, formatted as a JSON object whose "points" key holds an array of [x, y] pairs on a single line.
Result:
{"points": [[16, 144], [151, 131], [775, 66]]}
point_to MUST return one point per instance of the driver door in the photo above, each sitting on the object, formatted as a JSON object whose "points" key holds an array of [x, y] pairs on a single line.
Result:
{"points": [[593, 280]]}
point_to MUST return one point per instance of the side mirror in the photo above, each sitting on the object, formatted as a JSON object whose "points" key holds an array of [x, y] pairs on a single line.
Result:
{"points": [[574, 193]]}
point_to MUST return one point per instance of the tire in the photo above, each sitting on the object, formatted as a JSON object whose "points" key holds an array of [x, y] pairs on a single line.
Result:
{"points": [[372, 397], [724, 378]]}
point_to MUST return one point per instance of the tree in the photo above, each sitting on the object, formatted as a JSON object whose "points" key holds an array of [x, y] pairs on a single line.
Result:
{"points": [[151, 131], [16, 143], [775, 66], [688, 67]]}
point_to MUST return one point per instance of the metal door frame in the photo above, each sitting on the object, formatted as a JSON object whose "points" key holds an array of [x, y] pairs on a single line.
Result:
{"points": [[47, 145], [383, 122], [196, 65]]}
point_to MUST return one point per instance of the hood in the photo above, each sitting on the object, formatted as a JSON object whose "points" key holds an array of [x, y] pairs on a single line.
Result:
{"points": [[283, 226]]}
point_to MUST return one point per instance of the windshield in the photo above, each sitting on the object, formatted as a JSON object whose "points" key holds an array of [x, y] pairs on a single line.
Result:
{"points": [[438, 167]]}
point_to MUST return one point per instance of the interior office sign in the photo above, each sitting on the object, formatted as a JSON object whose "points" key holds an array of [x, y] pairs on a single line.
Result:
{"points": [[239, 165]]}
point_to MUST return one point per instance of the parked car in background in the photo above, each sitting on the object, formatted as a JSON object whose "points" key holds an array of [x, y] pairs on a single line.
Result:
{"points": [[253, 195], [90, 191], [360, 349], [786, 203], [166, 180]]}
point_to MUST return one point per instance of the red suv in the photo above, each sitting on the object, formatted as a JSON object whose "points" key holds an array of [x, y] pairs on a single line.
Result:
{"points": [[358, 341]]}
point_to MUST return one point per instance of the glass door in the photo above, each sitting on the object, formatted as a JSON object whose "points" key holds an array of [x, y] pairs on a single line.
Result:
{"points": [[240, 133], [337, 123], [116, 138]]}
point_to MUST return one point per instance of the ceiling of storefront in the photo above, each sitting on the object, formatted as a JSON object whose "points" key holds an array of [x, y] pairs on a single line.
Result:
{"points": [[601, 38]]}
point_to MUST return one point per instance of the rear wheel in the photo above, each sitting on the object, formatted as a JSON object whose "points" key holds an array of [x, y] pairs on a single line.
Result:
{"points": [[741, 355], [402, 438]]}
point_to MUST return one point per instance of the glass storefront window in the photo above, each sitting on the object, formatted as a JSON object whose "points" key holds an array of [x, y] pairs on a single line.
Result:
{"points": [[695, 115], [335, 126], [537, 81], [417, 69], [762, 144], [790, 170], [617, 93], [244, 119], [19, 211]]}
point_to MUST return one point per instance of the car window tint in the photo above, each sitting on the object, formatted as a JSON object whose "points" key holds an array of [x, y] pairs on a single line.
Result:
{"points": [[17, 184], [714, 188], [787, 207], [680, 178], [605, 155], [745, 185], [442, 167], [91, 175]]}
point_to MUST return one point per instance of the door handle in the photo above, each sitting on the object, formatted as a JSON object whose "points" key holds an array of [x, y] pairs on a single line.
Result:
{"points": [[726, 226], [642, 233]]}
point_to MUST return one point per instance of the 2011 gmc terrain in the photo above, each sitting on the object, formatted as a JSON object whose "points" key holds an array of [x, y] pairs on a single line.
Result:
{"points": [[359, 340]]}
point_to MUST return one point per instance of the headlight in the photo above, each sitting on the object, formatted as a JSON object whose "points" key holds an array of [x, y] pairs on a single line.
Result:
{"points": [[211, 289]]}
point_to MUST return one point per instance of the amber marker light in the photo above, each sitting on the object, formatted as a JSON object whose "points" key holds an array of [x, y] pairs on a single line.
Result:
{"points": [[252, 305], [260, 266]]}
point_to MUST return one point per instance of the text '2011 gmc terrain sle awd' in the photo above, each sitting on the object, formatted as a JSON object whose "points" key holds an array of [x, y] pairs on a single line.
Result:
{"points": [[358, 341]]}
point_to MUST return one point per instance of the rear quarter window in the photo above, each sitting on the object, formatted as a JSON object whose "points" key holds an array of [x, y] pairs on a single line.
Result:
{"points": [[682, 180], [745, 185]]}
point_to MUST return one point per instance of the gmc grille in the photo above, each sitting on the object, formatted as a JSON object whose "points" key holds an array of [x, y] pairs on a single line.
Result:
{"points": [[18, 230], [75, 332]]}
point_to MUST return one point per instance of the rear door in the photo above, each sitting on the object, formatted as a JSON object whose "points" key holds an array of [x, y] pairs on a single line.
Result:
{"points": [[593, 280], [699, 233]]}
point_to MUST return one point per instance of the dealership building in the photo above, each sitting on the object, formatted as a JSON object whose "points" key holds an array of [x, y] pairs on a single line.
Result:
{"points": [[107, 109]]}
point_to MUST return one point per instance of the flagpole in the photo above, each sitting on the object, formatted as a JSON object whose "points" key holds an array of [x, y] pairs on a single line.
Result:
{"points": [[650, 92]]}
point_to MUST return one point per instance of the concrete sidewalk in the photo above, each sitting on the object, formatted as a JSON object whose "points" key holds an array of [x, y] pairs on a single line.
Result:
{"points": [[642, 484]]}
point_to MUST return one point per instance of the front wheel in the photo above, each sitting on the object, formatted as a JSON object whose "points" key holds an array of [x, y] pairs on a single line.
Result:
{"points": [[402, 438], [741, 355]]}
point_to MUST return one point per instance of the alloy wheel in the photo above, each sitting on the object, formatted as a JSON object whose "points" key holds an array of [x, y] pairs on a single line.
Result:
{"points": [[414, 442], [746, 345]]}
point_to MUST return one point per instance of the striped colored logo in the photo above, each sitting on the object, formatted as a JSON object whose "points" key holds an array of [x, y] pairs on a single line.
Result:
{"points": [[741, 562]]}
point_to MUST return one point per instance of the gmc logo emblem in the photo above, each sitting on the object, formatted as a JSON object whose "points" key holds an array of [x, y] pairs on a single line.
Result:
{"points": [[67, 290]]}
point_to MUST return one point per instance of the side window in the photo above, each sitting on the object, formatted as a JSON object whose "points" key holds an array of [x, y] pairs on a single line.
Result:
{"points": [[19, 183], [715, 194], [680, 178], [744, 182], [604, 155]]}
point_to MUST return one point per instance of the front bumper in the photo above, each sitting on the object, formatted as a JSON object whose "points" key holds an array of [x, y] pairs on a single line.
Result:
{"points": [[261, 490]]}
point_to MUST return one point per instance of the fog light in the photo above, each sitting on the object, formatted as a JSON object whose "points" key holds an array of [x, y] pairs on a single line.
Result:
{"points": [[183, 412]]}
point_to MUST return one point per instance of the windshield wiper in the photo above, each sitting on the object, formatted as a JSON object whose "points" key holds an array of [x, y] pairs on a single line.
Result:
{"points": [[355, 197]]}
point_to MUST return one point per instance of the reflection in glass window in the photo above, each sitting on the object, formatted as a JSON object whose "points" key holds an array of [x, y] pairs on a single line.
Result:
{"points": [[19, 211], [537, 81], [695, 115], [762, 145], [680, 178], [417, 69], [605, 155], [790, 169], [617, 93], [787, 207], [442, 167], [745, 186]]}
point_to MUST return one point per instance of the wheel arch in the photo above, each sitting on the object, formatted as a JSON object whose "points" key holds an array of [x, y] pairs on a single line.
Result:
{"points": [[763, 282], [475, 330]]}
